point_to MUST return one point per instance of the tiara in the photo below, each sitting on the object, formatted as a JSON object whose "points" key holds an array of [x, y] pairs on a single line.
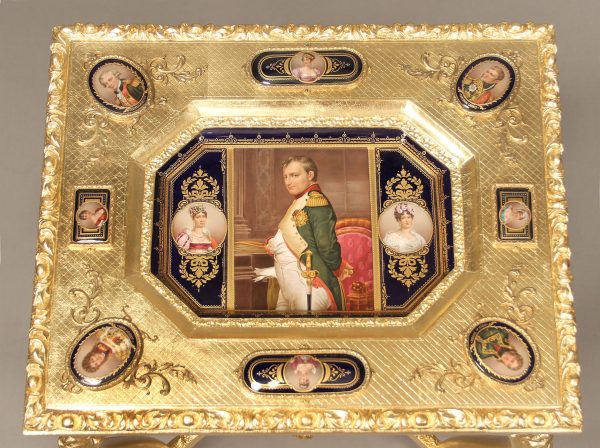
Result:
{"points": [[404, 208], [197, 209]]}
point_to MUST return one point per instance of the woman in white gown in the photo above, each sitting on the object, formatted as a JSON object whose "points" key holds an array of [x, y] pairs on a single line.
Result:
{"points": [[197, 240], [307, 73], [405, 240]]}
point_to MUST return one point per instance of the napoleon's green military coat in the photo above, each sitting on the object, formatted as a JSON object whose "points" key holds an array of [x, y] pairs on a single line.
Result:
{"points": [[309, 225]]}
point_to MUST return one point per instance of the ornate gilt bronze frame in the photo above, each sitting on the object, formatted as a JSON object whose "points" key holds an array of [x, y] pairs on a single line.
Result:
{"points": [[188, 380]]}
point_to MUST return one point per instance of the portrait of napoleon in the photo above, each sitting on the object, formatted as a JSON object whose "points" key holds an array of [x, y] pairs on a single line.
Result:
{"points": [[299, 243], [307, 230]]}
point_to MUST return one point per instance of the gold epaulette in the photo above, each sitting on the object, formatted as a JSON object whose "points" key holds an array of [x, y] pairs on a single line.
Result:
{"points": [[316, 199], [135, 82]]}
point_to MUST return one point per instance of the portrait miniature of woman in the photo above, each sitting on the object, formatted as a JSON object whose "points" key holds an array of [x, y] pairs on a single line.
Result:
{"points": [[93, 219], [197, 240], [515, 215], [111, 342], [405, 239], [479, 90], [307, 72]]}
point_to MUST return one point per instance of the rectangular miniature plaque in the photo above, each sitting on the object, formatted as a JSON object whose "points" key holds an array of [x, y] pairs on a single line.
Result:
{"points": [[303, 229]]}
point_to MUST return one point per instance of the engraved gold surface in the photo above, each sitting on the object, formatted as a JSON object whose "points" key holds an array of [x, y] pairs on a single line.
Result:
{"points": [[387, 96]]}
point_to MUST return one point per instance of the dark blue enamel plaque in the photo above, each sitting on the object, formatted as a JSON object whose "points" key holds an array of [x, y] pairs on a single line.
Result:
{"points": [[307, 67], [301, 373]]}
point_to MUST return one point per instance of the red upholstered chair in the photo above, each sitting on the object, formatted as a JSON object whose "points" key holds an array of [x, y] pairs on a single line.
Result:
{"points": [[354, 236]]}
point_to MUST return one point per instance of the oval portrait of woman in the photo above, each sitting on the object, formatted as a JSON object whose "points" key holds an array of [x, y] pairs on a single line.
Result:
{"points": [[104, 353], [118, 85], [405, 227], [307, 66], [515, 215], [303, 373], [485, 83], [199, 227], [91, 215], [501, 351]]}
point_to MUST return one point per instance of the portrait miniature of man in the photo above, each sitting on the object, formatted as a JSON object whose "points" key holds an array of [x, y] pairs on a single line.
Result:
{"points": [[306, 243], [479, 90], [308, 372], [128, 92], [493, 342], [111, 341]]}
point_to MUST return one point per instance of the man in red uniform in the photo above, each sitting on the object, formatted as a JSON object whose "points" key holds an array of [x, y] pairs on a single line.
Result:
{"points": [[128, 93], [479, 91]]}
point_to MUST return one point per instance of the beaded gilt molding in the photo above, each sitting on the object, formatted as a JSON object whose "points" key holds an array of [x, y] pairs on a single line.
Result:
{"points": [[482, 100]]}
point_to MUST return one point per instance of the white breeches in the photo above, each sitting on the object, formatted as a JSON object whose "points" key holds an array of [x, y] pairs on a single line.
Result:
{"points": [[293, 287]]}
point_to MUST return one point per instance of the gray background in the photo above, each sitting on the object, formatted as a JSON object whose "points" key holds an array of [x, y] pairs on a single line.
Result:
{"points": [[25, 34]]}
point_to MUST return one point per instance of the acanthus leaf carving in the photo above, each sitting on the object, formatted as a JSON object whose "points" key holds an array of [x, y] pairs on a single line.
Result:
{"points": [[88, 313], [458, 373], [159, 70], [146, 372], [517, 302], [438, 67]]}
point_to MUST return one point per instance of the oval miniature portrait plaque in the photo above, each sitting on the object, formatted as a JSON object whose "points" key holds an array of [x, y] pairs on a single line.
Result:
{"points": [[501, 351], [199, 227], [405, 227], [486, 83], [104, 353], [118, 85]]}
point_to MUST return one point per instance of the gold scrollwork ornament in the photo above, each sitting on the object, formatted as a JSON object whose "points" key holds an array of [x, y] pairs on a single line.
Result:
{"points": [[87, 313], [334, 372], [514, 305], [508, 121], [273, 372], [95, 129], [457, 373], [160, 71], [437, 67], [67, 383], [146, 372], [145, 335]]}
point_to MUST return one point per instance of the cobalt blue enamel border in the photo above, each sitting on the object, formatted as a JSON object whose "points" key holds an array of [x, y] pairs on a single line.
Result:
{"points": [[295, 136]]}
